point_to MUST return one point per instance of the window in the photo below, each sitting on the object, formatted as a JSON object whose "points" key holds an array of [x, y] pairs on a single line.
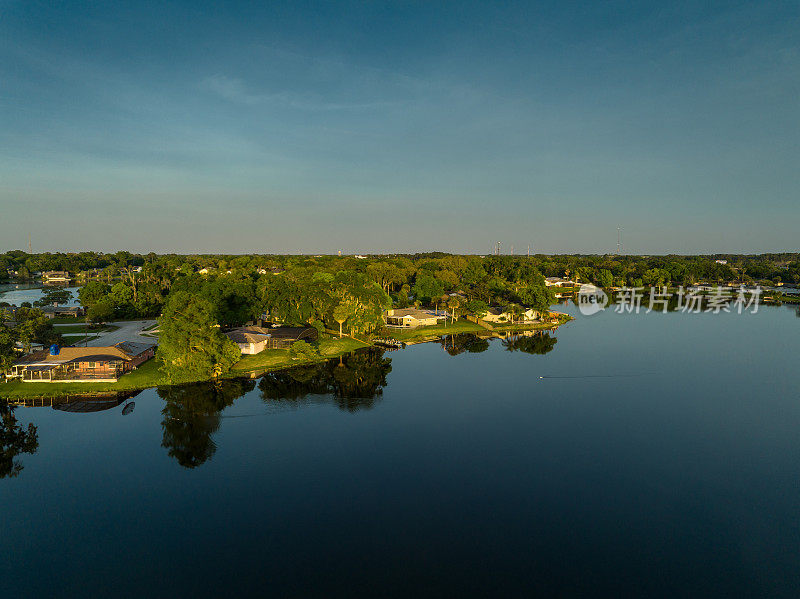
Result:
{"points": [[90, 365]]}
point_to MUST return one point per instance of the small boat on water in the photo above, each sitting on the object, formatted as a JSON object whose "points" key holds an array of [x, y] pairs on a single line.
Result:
{"points": [[392, 343], [128, 408]]}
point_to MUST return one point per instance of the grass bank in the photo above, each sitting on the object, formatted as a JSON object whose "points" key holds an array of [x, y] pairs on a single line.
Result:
{"points": [[148, 374], [436, 331], [275, 359], [464, 326]]}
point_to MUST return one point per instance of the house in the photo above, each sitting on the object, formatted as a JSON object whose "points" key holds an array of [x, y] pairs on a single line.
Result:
{"points": [[559, 282], [55, 276], [282, 337], [63, 311], [723, 262], [251, 340], [409, 318], [255, 339], [499, 315], [205, 271], [360, 257], [82, 364]]}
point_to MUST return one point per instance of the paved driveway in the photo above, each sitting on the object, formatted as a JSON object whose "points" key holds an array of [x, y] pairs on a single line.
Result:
{"points": [[129, 330]]}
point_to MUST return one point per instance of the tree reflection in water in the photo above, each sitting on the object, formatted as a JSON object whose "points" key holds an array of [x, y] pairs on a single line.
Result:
{"points": [[464, 342], [355, 381], [14, 440], [192, 416], [536, 343]]}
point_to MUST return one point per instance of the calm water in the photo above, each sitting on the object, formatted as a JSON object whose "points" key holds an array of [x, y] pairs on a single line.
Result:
{"points": [[659, 456], [17, 293]]}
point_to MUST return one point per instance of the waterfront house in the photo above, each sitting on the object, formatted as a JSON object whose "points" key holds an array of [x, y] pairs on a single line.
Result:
{"points": [[82, 364], [55, 276], [251, 340], [282, 337], [559, 282], [410, 318], [255, 339], [63, 311], [499, 315]]}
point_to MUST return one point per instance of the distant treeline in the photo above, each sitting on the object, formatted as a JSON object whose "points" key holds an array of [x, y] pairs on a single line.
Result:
{"points": [[623, 270], [195, 295]]}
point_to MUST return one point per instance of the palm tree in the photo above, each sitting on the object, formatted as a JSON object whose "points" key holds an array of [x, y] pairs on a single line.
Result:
{"points": [[453, 303], [513, 310], [340, 314]]}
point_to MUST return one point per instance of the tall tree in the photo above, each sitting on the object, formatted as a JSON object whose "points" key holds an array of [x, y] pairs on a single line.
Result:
{"points": [[191, 346]]}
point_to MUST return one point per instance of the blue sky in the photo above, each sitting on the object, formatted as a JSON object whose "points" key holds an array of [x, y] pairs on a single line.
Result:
{"points": [[390, 127]]}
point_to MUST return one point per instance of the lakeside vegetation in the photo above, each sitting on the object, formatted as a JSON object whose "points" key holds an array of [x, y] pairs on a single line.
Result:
{"points": [[197, 298]]}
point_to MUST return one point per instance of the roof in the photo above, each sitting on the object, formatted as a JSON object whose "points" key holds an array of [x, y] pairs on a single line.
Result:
{"points": [[248, 335], [294, 333], [133, 348], [121, 351]]}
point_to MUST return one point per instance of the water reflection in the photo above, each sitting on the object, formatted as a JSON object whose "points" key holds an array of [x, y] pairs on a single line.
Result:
{"points": [[538, 342], [192, 415], [14, 440], [353, 382], [464, 342]]}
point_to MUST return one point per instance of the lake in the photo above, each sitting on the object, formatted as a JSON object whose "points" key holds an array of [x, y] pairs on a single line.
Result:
{"points": [[625, 455], [16, 293]]}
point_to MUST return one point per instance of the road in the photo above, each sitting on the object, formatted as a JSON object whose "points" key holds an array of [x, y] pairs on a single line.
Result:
{"points": [[129, 330]]}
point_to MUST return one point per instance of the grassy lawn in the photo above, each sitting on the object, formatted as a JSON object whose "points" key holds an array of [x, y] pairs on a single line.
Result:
{"points": [[531, 326], [148, 374], [272, 359], [66, 320], [422, 333]]}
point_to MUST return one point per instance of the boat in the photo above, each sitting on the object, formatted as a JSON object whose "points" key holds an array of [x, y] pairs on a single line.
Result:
{"points": [[128, 408], [392, 343]]}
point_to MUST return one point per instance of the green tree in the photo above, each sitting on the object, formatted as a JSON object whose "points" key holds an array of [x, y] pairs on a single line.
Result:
{"points": [[191, 346], [301, 350], [477, 308], [92, 292], [101, 310], [34, 327], [8, 338]]}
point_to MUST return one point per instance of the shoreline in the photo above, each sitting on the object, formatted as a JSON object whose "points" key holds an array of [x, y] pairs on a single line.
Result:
{"points": [[148, 376]]}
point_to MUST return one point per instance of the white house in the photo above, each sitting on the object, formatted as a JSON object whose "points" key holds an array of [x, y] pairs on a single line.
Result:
{"points": [[251, 340], [559, 282], [409, 318], [499, 315]]}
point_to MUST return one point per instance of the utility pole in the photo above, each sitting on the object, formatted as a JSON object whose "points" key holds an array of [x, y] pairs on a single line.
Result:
{"points": [[619, 242], [30, 248], [529, 250]]}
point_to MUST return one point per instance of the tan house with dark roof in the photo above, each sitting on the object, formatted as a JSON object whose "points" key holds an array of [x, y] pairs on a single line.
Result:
{"points": [[82, 364]]}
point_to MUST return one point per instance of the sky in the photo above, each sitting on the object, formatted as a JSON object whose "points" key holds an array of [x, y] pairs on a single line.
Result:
{"points": [[372, 127]]}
